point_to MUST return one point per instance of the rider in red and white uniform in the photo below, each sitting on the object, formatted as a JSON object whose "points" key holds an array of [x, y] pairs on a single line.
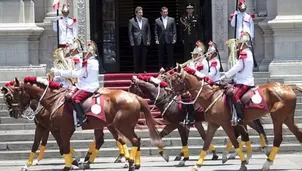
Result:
{"points": [[214, 63], [242, 72]]}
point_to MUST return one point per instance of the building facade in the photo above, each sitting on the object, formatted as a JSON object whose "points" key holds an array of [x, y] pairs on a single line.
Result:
{"points": [[27, 38]]}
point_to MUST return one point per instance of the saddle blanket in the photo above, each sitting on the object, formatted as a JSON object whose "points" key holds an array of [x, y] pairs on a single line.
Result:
{"points": [[93, 106], [253, 98]]}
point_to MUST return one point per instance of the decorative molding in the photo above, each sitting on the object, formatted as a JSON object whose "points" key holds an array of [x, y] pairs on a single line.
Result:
{"points": [[81, 9]]}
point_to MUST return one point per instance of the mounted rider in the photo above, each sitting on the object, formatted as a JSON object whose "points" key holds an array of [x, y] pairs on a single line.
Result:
{"points": [[214, 63], [88, 80], [243, 71], [201, 66]]}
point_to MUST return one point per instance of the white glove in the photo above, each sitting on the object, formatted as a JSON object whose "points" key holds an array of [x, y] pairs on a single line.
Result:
{"points": [[58, 79], [222, 78], [55, 71]]}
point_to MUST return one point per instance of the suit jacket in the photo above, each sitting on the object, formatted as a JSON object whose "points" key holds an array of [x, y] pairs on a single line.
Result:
{"points": [[137, 35], [165, 35]]}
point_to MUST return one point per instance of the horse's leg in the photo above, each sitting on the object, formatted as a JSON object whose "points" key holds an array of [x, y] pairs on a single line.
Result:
{"points": [[38, 135], [229, 146], [42, 147], [245, 138], [290, 123], [229, 130], [122, 146], [128, 132], [184, 135], [277, 141], [65, 135], [166, 131], [202, 133], [89, 152], [99, 141], [212, 128], [257, 125]]}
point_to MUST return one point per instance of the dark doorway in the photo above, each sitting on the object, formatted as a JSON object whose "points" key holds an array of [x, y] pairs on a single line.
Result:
{"points": [[124, 10]]}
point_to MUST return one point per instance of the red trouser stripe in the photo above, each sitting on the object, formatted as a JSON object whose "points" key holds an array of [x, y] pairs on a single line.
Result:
{"points": [[80, 95], [239, 90]]}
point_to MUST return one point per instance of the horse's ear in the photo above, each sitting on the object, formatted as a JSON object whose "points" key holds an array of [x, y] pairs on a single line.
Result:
{"points": [[4, 90], [178, 68], [17, 83]]}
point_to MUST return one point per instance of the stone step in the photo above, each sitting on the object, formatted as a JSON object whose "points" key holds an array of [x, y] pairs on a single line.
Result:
{"points": [[28, 135], [8, 73], [145, 142], [145, 151]]}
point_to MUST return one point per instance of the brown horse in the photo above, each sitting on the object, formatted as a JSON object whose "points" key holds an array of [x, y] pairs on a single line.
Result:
{"points": [[43, 127], [280, 99], [171, 113], [122, 111], [174, 115]]}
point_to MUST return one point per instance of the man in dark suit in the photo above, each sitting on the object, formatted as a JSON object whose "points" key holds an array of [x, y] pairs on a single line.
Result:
{"points": [[140, 37], [165, 37], [191, 31]]}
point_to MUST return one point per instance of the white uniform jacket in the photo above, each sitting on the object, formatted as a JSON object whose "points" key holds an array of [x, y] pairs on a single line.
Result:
{"points": [[67, 29], [245, 23], [243, 69], [214, 67], [88, 75], [201, 66]]}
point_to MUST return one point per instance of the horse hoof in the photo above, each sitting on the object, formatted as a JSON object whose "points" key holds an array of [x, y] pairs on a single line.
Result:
{"points": [[118, 160], [66, 169], [35, 163], [232, 156], [87, 157], [24, 168], [194, 168], [166, 157], [182, 163], [126, 165], [243, 168], [137, 167], [215, 157], [266, 165], [266, 151], [84, 166], [177, 158], [224, 157], [75, 163], [131, 169]]}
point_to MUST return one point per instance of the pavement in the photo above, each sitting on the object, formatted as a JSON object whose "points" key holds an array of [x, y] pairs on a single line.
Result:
{"points": [[283, 162]]}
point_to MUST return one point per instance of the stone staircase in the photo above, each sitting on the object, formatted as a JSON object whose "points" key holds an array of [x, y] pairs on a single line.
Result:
{"points": [[16, 135]]}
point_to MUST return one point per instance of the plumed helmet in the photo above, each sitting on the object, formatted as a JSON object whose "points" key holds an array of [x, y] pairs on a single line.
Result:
{"points": [[65, 8], [91, 47], [76, 45], [212, 47], [242, 4], [199, 49], [245, 37]]}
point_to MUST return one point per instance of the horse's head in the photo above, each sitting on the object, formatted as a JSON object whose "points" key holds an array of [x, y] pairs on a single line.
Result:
{"points": [[181, 81], [16, 100]]}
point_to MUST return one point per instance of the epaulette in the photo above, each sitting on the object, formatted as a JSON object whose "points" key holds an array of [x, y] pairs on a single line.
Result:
{"points": [[214, 63], [242, 55]]}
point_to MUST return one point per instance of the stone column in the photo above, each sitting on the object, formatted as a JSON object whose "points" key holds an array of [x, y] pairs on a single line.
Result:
{"points": [[268, 35], [220, 28], [287, 28], [16, 32]]}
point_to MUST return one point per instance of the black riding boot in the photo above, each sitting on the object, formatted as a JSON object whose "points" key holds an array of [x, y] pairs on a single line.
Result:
{"points": [[190, 113], [239, 111], [80, 114]]}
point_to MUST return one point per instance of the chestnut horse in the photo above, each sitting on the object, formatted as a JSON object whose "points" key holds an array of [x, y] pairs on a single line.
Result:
{"points": [[163, 99], [122, 111], [43, 127], [280, 99]]}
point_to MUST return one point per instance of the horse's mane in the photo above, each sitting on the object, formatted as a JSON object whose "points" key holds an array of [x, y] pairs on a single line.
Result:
{"points": [[42, 82]]}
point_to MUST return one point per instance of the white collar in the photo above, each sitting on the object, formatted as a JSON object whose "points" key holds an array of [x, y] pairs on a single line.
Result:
{"points": [[164, 18], [139, 20]]}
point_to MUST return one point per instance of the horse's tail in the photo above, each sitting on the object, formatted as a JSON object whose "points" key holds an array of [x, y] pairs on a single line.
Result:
{"points": [[296, 88], [154, 134], [259, 124]]}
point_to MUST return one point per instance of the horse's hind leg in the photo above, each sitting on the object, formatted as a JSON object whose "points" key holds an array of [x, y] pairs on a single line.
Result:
{"points": [[257, 126], [290, 123], [277, 141], [245, 138], [229, 146], [184, 135], [166, 131], [202, 133]]}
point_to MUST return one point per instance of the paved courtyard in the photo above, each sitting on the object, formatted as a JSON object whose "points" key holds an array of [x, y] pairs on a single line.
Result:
{"points": [[283, 162]]}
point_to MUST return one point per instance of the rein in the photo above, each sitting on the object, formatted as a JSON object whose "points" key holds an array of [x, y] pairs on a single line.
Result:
{"points": [[155, 101], [194, 101]]}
